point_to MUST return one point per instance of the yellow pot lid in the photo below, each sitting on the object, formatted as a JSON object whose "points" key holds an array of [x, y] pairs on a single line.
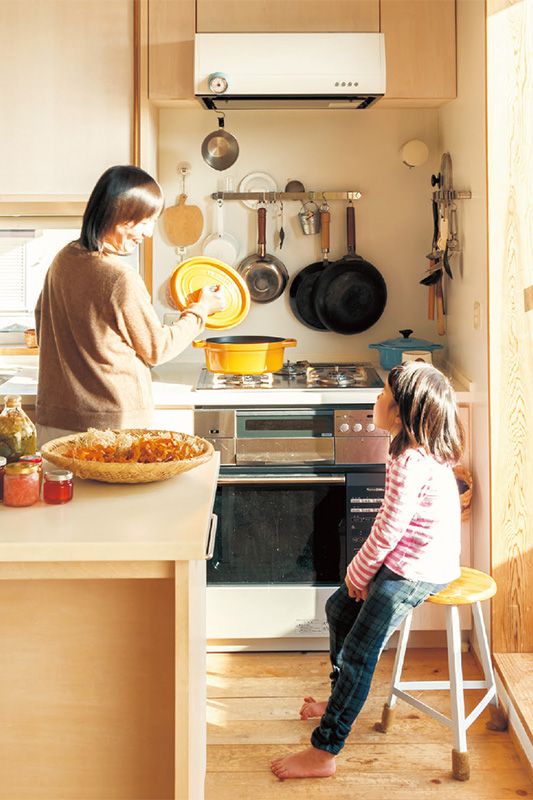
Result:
{"points": [[192, 275]]}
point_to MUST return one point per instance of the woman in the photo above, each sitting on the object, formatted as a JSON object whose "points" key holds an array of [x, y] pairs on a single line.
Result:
{"points": [[98, 333]]}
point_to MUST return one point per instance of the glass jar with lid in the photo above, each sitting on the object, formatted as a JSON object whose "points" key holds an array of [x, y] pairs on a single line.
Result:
{"points": [[3, 462], [57, 486], [18, 436], [21, 484]]}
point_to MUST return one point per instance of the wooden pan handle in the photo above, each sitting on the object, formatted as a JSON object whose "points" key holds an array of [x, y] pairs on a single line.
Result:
{"points": [[325, 219], [261, 231], [431, 301], [350, 228], [441, 324]]}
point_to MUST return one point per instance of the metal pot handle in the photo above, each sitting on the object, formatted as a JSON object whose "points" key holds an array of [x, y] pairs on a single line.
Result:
{"points": [[199, 343], [289, 343]]}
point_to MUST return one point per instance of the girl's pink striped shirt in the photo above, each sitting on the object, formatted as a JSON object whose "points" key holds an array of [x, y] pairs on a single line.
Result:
{"points": [[417, 531]]}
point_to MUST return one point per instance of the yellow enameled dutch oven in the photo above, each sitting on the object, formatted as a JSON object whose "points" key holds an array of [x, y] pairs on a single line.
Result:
{"points": [[244, 355]]}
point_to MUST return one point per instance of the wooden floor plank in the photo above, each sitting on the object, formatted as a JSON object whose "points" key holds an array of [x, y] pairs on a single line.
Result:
{"points": [[486, 755], [505, 785], [253, 706]]}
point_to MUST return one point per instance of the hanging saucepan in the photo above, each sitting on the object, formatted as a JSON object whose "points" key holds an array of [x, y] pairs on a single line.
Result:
{"points": [[265, 275], [301, 289], [220, 149], [350, 295]]}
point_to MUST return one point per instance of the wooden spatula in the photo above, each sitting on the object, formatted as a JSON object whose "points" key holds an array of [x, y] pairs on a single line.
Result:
{"points": [[183, 224]]}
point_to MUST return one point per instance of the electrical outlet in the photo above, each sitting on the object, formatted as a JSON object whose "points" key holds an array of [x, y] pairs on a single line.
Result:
{"points": [[477, 315], [170, 318]]}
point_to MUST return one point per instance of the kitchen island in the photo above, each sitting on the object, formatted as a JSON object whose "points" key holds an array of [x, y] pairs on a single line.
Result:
{"points": [[103, 642]]}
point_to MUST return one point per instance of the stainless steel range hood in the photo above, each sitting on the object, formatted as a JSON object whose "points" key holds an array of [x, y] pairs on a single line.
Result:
{"points": [[289, 70]]}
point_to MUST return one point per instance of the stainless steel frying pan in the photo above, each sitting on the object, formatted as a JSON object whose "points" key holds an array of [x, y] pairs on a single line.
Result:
{"points": [[265, 275]]}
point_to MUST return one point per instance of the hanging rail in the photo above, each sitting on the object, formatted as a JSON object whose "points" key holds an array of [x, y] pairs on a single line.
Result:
{"points": [[272, 197], [448, 195]]}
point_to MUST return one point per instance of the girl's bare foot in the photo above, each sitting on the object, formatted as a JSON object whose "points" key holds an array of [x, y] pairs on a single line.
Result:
{"points": [[312, 708], [310, 763]]}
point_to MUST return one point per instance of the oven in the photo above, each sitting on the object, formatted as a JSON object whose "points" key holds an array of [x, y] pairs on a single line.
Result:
{"points": [[298, 492]]}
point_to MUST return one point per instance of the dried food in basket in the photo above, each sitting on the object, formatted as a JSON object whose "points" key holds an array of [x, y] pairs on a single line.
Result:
{"points": [[465, 486], [124, 447], [128, 456]]}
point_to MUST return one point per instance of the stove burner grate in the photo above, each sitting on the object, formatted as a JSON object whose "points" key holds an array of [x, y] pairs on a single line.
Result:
{"points": [[343, 376], [248, 381], [293, 369]]}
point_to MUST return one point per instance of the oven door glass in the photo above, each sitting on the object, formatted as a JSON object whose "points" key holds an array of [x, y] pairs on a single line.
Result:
{"points": [[279, 530]]}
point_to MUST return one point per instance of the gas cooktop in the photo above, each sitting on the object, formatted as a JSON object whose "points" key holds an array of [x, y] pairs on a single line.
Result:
{"points": [[299, 375]]}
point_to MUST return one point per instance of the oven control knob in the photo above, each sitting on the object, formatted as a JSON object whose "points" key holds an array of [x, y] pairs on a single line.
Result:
{"points": [[370, 427], [357, 428], [344, 427]]}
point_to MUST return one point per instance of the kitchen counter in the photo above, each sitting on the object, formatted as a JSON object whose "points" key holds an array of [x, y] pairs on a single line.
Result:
{"points": [[106, 641], [174, 387]]}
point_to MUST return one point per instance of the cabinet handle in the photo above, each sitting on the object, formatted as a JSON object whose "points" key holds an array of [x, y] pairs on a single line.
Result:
{"points": [[211, 537]]}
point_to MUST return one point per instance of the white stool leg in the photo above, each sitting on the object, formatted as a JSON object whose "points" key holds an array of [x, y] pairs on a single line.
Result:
{"points": [[403, 638], [388, 709], [498, 718], [461, 769]]}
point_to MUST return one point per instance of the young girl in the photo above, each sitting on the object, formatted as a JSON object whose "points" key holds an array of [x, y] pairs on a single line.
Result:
{"points": [[412, 552]]}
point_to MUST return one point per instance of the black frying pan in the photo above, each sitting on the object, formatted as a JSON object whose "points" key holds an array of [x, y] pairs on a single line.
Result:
{"points": [[350, 295], [301, 289]]}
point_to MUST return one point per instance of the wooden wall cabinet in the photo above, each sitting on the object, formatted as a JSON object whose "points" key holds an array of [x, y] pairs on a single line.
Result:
{"points": [[419, 40], [420, 48], [67, 94], [281, 16]]}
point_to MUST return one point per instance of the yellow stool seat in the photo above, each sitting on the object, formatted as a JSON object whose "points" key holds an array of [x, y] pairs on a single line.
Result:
{"points": [[472, 587]]}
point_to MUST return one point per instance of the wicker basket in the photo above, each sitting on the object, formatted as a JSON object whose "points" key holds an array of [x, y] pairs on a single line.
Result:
{"points": [[130, 472], [464, 484]]}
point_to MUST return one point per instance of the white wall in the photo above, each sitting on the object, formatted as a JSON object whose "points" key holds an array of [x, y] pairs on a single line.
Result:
{"points": [[462, 133], [326, 150]]}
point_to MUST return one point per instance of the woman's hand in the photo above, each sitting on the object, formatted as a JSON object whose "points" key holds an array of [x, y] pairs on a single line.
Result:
{"points": [[358, 594], [213, 299]]}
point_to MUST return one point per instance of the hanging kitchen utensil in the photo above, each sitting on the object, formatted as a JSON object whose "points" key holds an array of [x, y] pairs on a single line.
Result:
{"points": [[435, 271], [309, 218], [301, 296], [281, 229], [183, 223], [220, 245], [264, 274], [194, 274], [257, 182], [220, 149], [350, 295], [441, 322]]}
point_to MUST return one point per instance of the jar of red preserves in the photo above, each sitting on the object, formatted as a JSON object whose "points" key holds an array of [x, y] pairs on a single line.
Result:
{"points": [[21, 484], [58, 486], [3, 462]]}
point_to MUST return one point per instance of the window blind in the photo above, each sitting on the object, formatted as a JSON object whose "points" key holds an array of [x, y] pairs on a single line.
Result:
{"points": [[13, 274]]}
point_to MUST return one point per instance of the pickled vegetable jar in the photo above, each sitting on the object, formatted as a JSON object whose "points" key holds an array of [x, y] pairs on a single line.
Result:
{"points": [[21, 484], [18, 436]]}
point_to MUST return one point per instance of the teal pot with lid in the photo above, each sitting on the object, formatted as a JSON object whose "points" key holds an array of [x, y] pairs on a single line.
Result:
{"points": [[390, 351]]}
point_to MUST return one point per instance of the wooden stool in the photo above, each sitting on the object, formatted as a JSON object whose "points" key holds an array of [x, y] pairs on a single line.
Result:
{"points": [[470, 589]]}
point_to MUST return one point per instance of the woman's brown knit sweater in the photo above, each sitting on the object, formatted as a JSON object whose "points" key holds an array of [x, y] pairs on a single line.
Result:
{"points": [[98, 335]]}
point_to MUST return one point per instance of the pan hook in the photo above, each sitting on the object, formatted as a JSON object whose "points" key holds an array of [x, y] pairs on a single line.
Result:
{"points": [[325, 204], [221, 118]]}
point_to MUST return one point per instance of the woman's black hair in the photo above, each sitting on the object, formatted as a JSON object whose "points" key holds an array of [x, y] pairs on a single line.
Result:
{"points": [[122, 194], [427, 410]]}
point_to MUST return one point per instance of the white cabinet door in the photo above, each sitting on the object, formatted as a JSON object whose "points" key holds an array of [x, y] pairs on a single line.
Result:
{"points": [[66, 80]]}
